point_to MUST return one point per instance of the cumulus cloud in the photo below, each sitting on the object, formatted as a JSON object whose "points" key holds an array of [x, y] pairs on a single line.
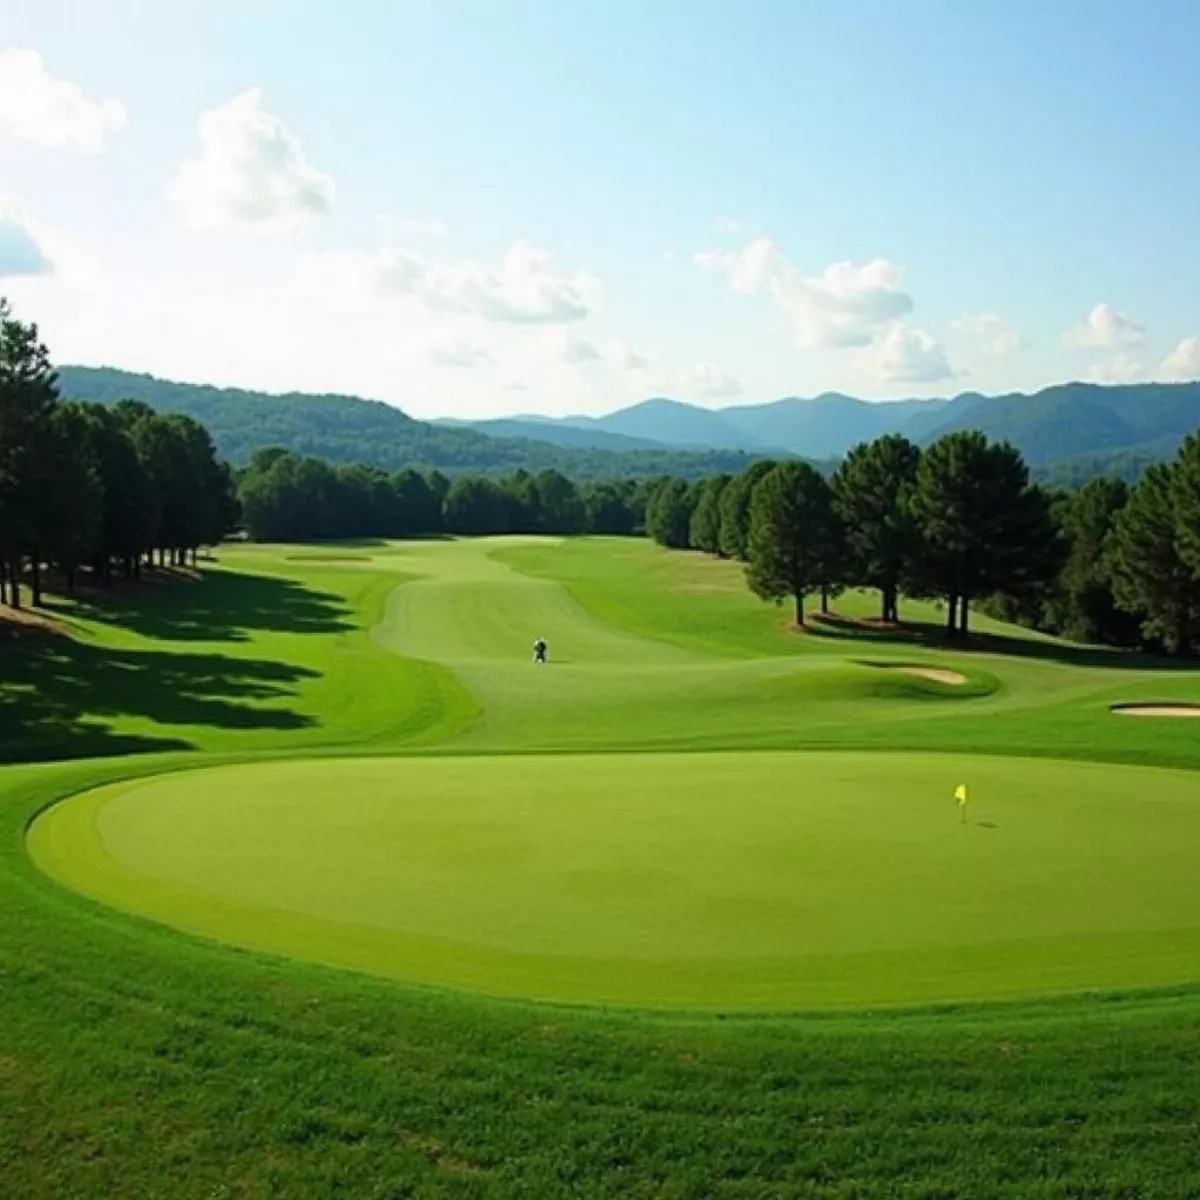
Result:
{"points": [[524, 289], [710, 382], [52, 112], [996, 336], [907, 355], [451, 350], [22, 250], [1182, 365], [1121, 368], [251, 174], [847, 304], [1106, 328]]}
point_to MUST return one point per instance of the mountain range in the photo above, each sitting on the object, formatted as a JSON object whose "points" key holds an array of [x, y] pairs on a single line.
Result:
{"points": [[1069, 431], [1063, 422]]}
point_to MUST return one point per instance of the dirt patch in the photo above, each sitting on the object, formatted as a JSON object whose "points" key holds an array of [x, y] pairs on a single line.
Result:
{"points": [[22, 622], [934, 674], [329, 558], [1156, 710]]}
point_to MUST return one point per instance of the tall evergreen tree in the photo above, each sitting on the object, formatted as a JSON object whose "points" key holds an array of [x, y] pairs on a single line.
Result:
{"points": [[734, 510], [1150, 575], [28, 397], [669, 514], [872, 491], [705, 530], [793, 535], [983, 528]]}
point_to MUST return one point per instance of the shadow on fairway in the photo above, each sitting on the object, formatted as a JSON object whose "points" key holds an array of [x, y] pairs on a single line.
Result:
{"points": [[57, 695], [223, 606], [933, 635]]}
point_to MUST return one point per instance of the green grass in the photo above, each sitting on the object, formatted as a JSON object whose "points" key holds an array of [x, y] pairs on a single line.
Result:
{"points": [[138, 1061], [638, 880]]}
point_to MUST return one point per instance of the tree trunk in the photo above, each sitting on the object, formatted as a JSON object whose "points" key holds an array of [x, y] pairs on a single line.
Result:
{"points": [[35, 581], [951, 615], [71, 580], [800, 610], [3, 583], [824, 600], [963, 611], [14, 577]]}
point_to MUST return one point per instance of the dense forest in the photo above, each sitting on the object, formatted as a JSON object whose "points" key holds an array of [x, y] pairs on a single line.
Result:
{"points": [[89, 485], [107, 486], [346, 429]]}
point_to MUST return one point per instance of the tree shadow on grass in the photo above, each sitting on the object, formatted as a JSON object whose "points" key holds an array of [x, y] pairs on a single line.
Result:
{"points": [[932, 635], [57, 696], [223, 606]]}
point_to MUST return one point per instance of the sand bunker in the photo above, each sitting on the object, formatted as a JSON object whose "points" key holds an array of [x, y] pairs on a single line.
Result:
{"points": [[1156, 710], [936, 674]]}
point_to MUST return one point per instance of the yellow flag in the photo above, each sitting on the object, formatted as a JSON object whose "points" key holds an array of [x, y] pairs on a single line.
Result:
{"points": [[960, 793]]}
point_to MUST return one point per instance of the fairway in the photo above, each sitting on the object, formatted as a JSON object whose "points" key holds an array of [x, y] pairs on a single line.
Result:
{"points": [[725, 880]]}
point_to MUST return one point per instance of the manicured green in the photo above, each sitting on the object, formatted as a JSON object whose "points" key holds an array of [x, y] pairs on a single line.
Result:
{"points": [[138, 1061], [710, 881]]}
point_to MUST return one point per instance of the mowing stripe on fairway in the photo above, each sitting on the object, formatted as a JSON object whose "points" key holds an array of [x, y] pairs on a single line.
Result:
{"points": [[734, 880]]}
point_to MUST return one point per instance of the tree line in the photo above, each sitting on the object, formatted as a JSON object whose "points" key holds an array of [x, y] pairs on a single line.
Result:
{"points": [[959, 522], [84, 485], [291, 497]]}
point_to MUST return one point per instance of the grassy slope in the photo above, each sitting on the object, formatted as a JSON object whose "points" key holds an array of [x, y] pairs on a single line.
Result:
{"points": [[134, 1062]]}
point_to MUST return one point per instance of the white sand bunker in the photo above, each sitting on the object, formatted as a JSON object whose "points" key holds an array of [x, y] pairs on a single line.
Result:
{"points": [[936, 674], [1156, 710]]}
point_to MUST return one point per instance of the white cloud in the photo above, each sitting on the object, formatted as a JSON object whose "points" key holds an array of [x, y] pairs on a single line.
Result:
{"points": [[1106, 328], [1121, 368], [710, 382], [1182, 365], [996, 336], [33, 251], [847, 304], [728, 225], [251, 174], [523, 290], [907, 355], [52, 112], [413, 227], [451, 350], [630, 360], [22, 251]]}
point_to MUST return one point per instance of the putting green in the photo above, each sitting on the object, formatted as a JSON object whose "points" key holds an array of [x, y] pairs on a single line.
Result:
{"points": [[732, 880]]}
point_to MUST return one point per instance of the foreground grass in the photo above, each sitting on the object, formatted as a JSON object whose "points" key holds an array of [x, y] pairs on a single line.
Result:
{"points": [[136, 1062]]}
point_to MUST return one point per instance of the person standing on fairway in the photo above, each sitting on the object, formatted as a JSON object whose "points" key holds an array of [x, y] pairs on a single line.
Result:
{"points": [[539, 650]]}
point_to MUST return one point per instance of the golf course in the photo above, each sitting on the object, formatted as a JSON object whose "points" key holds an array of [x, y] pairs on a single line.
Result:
{"points": [[310, 819]]}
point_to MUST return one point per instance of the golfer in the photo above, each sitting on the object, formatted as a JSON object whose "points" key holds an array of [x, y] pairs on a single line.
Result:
{"points": [[539, 651]]}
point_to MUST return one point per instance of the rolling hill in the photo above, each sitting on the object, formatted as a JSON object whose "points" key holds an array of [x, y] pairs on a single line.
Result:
{"points": [[1068, 422], [1068, 432], [348, 429]]}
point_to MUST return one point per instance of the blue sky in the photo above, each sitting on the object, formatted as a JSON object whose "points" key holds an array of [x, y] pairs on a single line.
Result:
{"points": [[475, 208]]}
